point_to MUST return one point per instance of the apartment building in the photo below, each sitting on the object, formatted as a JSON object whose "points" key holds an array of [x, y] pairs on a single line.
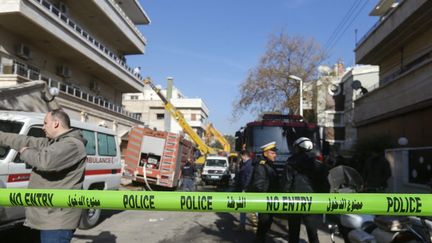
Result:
{"points": [[78, 46], [150, 108], [400, 43]]}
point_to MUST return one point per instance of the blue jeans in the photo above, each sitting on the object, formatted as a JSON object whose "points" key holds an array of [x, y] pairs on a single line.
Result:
{"points": [[188, 184], [243, 219], [56, 236]]}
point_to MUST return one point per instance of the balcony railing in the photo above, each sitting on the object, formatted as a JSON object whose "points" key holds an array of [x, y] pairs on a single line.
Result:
{"points": [[91, 40], [124, 15], [378, 23], [21, 70]]}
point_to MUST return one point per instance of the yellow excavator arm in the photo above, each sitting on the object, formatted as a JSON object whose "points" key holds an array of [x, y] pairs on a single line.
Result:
{"points": [[178, 116], [212, 131]]}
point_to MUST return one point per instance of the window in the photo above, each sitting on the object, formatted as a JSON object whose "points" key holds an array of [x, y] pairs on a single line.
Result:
{"points": [[160, 116], [193, 117], [33, 132], [134, 97], [91, 143], [137, 115], [106, 145]]}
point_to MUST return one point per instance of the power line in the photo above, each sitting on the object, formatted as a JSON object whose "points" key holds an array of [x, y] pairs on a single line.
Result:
{"points": [[342, 23], [346, 28], [339, 36]]}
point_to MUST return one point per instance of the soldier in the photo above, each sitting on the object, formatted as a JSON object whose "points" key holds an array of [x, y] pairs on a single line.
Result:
{"points": [[264, 179]]}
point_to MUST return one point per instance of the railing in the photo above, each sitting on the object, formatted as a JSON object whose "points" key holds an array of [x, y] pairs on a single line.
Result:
{"points": [[70, 90], [124, 15], [61, 16], [378, 23]]}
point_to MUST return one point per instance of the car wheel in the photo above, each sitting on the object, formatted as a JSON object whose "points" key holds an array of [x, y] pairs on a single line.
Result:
{"points": [[90, 218]]}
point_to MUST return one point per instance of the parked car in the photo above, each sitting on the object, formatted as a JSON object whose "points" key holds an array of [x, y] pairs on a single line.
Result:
{"points": [[216, 171]]}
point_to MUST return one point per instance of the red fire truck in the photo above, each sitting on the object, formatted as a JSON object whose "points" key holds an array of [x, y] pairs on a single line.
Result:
{"points": [[156, 157], [284, 129]]}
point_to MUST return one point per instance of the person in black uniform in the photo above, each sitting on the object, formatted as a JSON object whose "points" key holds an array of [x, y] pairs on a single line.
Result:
{"points": [[303, 174], [264, 179]]}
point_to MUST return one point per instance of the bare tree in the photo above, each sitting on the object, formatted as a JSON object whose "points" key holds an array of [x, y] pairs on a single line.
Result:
{"points": [[267, 86]]}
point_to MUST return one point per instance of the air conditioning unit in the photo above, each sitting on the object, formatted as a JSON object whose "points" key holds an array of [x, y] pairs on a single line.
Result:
{"points": [[64, 71], [94, 86], [23, 51]]}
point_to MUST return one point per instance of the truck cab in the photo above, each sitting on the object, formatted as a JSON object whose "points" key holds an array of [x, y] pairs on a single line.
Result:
{"points": [[216, 171], [283, 129]]}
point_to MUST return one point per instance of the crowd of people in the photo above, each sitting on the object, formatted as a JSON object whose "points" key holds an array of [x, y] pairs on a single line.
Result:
{"points": [[58, 162]]}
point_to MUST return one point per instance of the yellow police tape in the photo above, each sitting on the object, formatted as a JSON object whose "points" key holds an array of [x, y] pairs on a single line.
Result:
{"points": [[305, 203]]}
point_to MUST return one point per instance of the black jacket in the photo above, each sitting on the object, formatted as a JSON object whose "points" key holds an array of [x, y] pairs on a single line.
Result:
{"points": [[243, 176], [303, 173], [188, 171], [264, 177]]}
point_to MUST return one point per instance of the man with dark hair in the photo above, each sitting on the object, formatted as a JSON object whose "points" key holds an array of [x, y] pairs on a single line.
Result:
{"points": [[188, 176], [57, 162], [242, 181], [265, 179]]}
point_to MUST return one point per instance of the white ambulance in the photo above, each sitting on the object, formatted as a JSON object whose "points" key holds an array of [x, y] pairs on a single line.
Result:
{"points": [[103, 169]]}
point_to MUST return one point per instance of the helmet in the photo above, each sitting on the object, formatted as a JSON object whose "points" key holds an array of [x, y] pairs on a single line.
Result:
{"points": [[303, 143]]}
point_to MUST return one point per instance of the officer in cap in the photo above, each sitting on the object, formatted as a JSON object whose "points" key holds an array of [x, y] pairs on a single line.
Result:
{"points": [[264, 179]]}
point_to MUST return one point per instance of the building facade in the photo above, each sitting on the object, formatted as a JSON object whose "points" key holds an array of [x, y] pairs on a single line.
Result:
{"points": [[79, 47], [401, 45], [150, 108]]}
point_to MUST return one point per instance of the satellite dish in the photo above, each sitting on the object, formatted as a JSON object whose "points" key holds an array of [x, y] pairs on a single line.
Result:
{"points": [[356, 84], [325, 70], [334, 89]]}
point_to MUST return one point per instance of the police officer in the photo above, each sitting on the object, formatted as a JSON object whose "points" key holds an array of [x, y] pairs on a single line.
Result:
{"points": [[264, 179], [303, 174]]}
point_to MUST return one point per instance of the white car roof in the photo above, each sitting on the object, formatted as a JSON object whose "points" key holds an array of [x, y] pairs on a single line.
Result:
{"points": [[217, 157], [38, 118]]}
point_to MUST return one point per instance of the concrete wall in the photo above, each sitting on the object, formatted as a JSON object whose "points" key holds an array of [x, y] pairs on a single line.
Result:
{"points": [[409, 90], [411, 168]]}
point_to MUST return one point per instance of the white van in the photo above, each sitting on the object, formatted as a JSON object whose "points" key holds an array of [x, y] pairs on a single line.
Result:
{"points": [[216, 171], [103, 169]]}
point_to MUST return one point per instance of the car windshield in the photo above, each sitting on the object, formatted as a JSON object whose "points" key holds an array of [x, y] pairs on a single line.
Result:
{"points": [[215, 162], [266, 134], [8, 126]]}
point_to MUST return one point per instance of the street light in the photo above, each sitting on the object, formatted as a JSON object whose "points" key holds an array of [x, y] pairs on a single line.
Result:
{"points": [[293, 77]]}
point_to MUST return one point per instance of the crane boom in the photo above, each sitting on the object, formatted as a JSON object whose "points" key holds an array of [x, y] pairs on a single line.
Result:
{"points": [[178, 116]]}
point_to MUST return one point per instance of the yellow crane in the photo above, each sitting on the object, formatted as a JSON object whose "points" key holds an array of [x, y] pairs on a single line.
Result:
{"points": [[211, 131], [178, 116]]}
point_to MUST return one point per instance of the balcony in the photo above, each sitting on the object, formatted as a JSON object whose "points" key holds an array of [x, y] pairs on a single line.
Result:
{"points": [[25, 74], [392, 31], [58, 15], [410, 92], [128, 20], [331, 119]]}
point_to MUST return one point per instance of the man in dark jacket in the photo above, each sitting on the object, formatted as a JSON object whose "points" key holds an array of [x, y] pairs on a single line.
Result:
{"points": [[242, 181], [264, 179], [303, 174], [58, 162], [188, 175]]}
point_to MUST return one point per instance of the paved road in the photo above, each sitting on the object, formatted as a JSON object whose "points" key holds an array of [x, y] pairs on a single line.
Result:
{"points": [[166, 227]]}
